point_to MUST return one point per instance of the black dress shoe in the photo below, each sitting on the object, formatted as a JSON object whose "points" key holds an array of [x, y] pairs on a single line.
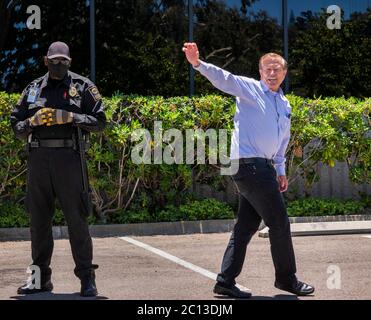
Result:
{"points": [[232, 291], [28, 288], [299, 288], [88, 287]]}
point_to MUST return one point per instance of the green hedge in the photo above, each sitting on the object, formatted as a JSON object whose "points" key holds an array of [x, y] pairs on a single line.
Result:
{"points": [[207, 209], [14, 215], [325, 207], [323, 130]]}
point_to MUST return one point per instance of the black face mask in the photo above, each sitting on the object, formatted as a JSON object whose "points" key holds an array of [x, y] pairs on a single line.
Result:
{"points": [[57, 71]]}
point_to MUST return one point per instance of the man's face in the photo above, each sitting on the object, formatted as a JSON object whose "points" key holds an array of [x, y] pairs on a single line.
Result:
{"points": [[272, 72], [57, 67]]}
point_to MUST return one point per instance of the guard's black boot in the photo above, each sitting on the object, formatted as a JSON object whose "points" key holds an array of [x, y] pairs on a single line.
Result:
{"points": [[29, 288], [88, 287]]}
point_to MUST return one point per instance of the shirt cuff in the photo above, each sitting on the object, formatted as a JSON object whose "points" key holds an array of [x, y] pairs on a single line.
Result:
{"points": [[280, 169], [78, 118], [27, 124], [200, 66]]}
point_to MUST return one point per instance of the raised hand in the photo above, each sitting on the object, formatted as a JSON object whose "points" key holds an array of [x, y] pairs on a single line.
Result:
{"points": [[192, 54]]}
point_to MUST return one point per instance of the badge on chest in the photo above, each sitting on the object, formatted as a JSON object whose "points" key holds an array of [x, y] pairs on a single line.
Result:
{"points": [[72, 92], [32, 94]]}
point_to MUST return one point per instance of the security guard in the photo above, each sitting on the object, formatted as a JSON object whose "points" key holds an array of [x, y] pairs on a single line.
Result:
{"points": [[48, 114]]}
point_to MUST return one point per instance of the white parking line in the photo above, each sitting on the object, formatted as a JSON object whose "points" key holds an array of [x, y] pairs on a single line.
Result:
{"points": [[177, 260], [367, 236]]}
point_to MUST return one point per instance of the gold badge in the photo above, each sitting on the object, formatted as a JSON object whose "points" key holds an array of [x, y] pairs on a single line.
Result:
{"points": [[72, 92]]}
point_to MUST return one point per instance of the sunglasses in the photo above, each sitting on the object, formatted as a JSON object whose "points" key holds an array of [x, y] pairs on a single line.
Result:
{"points": [[56, 61]]}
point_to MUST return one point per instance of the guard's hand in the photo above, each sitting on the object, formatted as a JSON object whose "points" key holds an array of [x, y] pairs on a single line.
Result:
{"points": [[40, 117], [282, 183], [57, 116], [192, 54]]}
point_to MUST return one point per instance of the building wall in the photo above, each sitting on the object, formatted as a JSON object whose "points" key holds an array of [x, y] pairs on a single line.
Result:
{"points": [[334, 183]]}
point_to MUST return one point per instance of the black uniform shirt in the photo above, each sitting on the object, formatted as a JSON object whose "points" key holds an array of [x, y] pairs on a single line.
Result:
{"points": [[74, 93]]}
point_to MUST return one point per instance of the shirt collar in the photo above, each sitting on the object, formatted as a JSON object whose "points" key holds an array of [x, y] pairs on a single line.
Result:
{"points": [[66, 81], [45, 81], [266, 89]]}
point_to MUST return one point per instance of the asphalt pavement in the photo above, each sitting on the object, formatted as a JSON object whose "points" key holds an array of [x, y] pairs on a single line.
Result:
{"points": [[182, 268]]}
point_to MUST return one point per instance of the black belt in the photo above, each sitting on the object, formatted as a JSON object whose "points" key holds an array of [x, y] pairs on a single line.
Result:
{"points": [[52, 143], [255, 160]]}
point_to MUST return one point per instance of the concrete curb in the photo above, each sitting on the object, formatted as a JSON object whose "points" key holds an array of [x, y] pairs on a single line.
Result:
{"points": [[135, 229], [325, 228], [355, 217], [165, 228]]}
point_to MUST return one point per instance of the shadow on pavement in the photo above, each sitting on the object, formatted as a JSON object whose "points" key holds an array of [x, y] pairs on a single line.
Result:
{"points": [[56, 296], [276, 297]]}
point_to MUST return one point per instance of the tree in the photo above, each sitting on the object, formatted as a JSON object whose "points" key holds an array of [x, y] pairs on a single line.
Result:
{"points": [[331, 62], [138, 44], [22, 53], [230, 39], [6, 7]]}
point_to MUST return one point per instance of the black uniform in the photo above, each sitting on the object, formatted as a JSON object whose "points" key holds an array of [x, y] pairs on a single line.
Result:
{"points": [[54, 169]]}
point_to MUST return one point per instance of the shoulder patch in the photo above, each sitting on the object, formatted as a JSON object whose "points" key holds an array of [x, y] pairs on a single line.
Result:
{"points": [[95, 93]]}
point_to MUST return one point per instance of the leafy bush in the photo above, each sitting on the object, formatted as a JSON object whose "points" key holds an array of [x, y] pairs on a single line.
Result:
{"points": [[329, 130], [206, 209], [14, 216], [325, 130], [197, 210], [130, 216], [324, 207]]}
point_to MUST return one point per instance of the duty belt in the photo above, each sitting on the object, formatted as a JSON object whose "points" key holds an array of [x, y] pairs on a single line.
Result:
{"points": [[52, 143]]}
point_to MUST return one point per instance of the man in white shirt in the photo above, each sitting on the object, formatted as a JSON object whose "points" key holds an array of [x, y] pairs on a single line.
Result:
{"points": [[259, 142]]}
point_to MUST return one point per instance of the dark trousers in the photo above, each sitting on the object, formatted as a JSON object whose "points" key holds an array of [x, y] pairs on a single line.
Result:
{"points": [[56, 173], [259, 198]]}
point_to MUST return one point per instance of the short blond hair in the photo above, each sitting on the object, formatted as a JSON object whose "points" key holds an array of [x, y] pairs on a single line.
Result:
{"points": [[272, 55]]}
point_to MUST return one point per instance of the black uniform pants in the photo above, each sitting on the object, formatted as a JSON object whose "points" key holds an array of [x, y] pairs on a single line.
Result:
{"points": [[56, 173], [259, 198]]}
